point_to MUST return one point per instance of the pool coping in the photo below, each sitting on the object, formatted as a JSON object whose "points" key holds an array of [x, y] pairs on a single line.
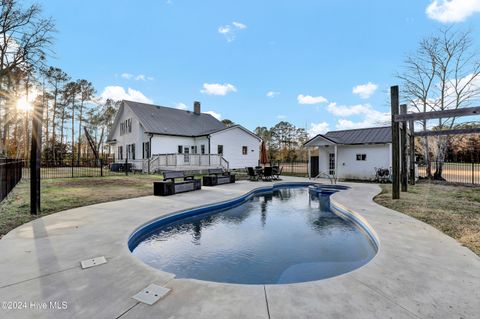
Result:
{"points": [[417, 271]]}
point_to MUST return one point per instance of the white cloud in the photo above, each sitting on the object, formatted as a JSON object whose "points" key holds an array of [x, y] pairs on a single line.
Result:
{"points": [[230, 31], [216, 115], [272, 93], [139, 77], [281, 117], [239, 25], [118, 93], [369, 117], [342, 110], [308, 99], [181, 106], [447, 11], [218, 89], [365, 90], [318, 128]]}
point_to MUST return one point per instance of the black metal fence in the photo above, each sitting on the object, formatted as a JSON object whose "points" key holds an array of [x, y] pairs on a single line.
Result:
{"points": [[455, 172], [294, 168], [10, 175], [69, 169]]}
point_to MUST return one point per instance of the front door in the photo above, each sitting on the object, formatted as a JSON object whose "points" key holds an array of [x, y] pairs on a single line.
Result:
{"points": [[331, 164], [186, 152], [314, 166]]}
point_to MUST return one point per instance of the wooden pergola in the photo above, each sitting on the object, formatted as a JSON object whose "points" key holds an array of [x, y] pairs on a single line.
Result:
{"points": [[400, 131]]}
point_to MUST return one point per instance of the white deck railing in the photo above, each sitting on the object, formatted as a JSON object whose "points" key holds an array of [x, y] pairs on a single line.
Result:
{"points": [[184, 161]]}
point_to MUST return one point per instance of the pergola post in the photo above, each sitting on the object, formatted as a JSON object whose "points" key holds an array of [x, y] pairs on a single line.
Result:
{"points": [[412, 151], [403, 151], [395, 143]]}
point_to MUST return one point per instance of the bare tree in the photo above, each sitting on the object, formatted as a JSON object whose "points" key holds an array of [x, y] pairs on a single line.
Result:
{"points": [[57, 79], [443, 74], [24, 38], [71, 92], [87, 92], [418, 81], [458, 71]]}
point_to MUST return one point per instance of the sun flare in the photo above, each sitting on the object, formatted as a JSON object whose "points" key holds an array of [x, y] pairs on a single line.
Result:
{"points": [[24, 105]]}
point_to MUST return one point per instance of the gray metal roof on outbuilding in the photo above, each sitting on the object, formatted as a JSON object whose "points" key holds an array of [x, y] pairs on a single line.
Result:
{"points": [[371, 135]]}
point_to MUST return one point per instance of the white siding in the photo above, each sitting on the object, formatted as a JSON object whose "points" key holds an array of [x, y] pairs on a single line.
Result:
{"points": [[164, 144], [378, 156], [137, 136], [232, 140]]}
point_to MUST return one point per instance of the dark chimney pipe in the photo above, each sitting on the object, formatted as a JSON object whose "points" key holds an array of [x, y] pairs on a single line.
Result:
{"points": [[196, 107]]}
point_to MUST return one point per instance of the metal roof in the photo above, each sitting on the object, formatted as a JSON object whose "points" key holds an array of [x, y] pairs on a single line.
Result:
{"points": [[371, 135], [170, 121]]}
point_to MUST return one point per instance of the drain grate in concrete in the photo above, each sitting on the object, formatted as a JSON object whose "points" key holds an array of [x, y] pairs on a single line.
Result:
{"points": [[151, 294], [92, 262]]}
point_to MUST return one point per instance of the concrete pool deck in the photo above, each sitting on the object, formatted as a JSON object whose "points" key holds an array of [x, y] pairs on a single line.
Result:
{"points": [[418, 272]]}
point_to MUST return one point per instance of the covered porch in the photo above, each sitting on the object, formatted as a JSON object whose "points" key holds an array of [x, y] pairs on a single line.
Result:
{"points": [[322, 157]]}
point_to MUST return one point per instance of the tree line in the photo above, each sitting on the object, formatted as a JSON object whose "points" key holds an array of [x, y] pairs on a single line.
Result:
{"points": [[70, 108], [284, 141]]}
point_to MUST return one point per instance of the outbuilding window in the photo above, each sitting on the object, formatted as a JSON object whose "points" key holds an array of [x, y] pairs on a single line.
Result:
{"points": [[361, 157], [244, 150]]}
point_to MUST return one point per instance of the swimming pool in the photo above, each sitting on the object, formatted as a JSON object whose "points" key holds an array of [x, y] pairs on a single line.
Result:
{"points": [[287, 234]]}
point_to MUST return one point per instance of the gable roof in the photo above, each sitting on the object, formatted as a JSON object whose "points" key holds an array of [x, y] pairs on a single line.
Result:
{"points": [[371, 135], [170, 121], [235, 126]]}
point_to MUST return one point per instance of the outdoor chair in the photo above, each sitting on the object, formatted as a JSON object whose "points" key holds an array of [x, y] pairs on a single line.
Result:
{"points": [[252, 174], [267, 173], [217, 176], [170, 187], [277, 171]]}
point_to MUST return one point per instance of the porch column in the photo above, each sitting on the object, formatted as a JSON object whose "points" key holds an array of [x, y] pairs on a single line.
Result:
{"points": [[309, 164]]}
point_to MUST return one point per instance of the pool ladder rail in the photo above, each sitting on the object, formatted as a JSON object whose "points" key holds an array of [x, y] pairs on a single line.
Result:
{"points": [[323, 189]]}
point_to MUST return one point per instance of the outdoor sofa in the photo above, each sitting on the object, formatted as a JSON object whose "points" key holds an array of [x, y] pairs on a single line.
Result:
{"points": [[169, 185]]}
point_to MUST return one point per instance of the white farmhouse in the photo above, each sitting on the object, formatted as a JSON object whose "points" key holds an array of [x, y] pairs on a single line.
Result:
{"points": [[350, 154], [155, 137]]}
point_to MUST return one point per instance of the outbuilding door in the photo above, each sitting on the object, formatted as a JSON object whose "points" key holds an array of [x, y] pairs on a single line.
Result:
{"points": [[314, 166]]}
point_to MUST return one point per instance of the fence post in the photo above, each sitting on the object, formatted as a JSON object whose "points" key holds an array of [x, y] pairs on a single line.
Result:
{"points": [[126, 166], [101, 167], [473, 172]]}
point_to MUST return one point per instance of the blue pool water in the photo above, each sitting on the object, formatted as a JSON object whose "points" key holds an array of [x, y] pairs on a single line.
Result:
{"points": [[286, 235]]}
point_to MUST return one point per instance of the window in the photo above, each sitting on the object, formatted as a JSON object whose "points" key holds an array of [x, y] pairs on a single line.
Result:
{"points": [[194, 149], [244, 150], [202, 149], [180, 149], [331, 164], [219, 149], [146, 150], [361, 157], [120, 152], [130, 151], [126, 127]]}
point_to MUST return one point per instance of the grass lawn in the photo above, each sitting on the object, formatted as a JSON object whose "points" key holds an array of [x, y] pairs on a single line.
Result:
{"points": [[455, 210], [65, 193]]}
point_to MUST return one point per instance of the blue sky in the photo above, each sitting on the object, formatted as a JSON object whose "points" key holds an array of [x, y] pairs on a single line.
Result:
{"points": [[310, 55]]}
